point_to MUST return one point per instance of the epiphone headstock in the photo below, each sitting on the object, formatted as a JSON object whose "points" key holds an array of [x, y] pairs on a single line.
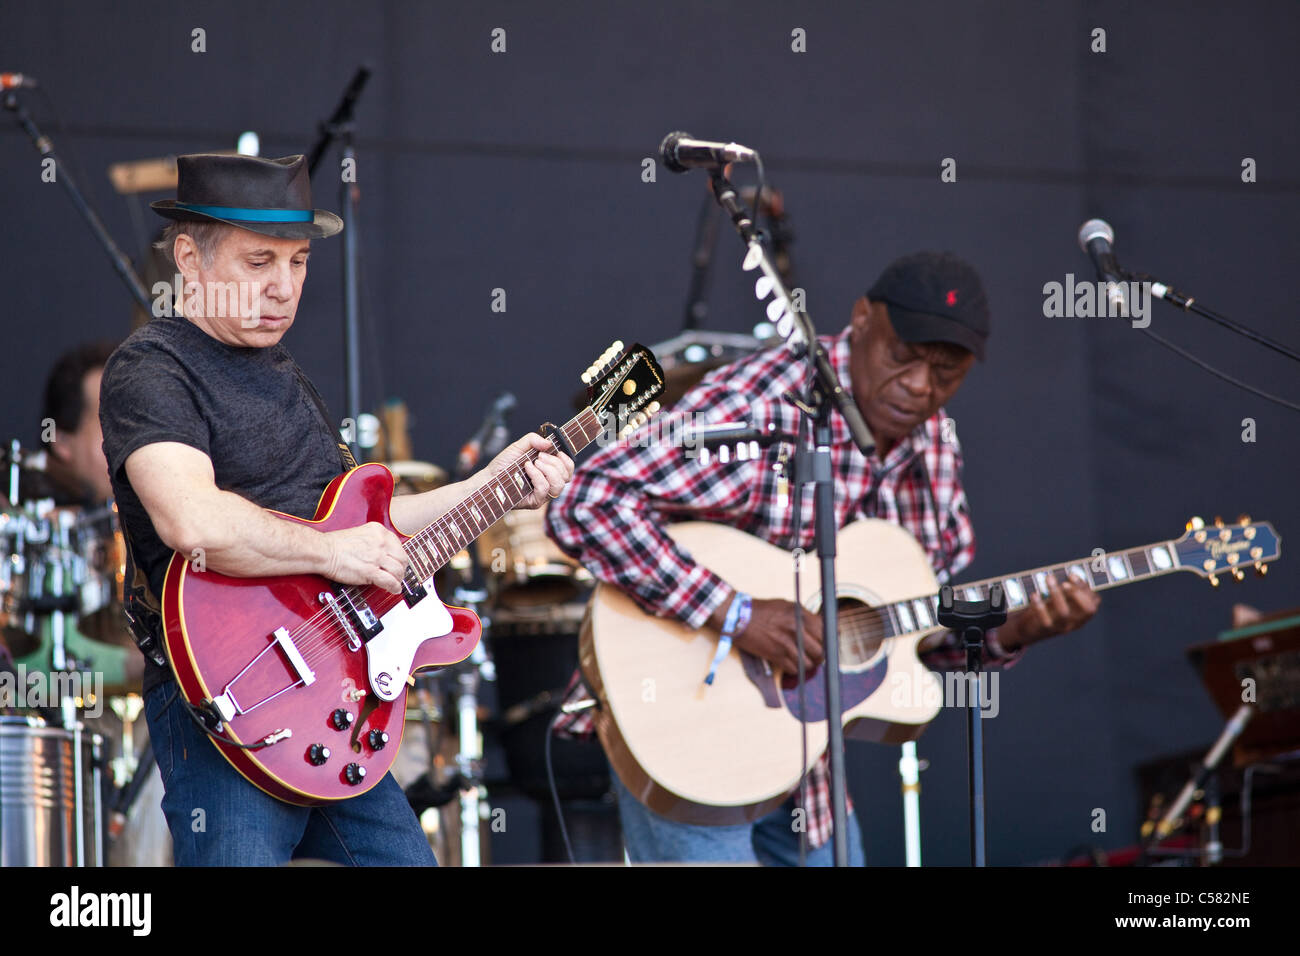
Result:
{"points": [[1211, 550], [624, 384]]}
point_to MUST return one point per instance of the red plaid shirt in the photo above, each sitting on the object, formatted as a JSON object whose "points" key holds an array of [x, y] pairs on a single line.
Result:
{"points": [[611, 515]]}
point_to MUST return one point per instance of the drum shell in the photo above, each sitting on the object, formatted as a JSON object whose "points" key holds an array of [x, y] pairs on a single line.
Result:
{"points": [[530, 570], [49, 795]]}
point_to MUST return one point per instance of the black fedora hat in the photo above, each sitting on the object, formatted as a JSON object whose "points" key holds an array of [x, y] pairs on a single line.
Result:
{"points": [[269, 196]]}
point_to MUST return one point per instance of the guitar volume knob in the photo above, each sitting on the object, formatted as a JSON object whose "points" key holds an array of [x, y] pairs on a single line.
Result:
{"points": [[318, 754], [354, 773], [341, 719], [377, 739]]}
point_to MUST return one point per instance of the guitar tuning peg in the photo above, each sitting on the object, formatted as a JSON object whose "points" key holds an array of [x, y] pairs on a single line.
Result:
{"points": [[1261, 570], [1243, 519], [586, 377], [653, 407], [618, 346], [1218, 521], [1238, 574], [1196, 524], [1214, 580]]}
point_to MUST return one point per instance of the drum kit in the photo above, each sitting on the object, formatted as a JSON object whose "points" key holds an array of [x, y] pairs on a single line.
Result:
{"points": [[72, 746]]}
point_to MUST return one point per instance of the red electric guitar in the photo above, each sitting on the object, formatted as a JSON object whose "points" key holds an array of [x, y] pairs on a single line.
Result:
{"points": [[305, 680]]}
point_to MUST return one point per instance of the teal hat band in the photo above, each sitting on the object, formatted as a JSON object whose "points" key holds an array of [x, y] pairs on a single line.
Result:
{"points": [[251, 215]]}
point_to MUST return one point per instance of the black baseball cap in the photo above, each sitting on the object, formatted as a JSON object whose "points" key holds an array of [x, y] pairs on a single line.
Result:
{"points": [[935, 297]]}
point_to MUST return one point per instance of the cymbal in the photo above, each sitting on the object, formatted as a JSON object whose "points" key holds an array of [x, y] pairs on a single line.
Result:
{"points": [[414, 477]]}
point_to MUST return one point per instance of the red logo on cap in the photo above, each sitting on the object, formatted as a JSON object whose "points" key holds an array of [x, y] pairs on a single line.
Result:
{"points": [[952, 296]]}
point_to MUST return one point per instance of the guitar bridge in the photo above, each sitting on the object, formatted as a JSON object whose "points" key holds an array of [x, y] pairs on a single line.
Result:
{"points": [[331, 601]]}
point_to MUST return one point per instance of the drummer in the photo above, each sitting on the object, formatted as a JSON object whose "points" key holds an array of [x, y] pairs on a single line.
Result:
{"points": [[76, 474], [76, 470]]}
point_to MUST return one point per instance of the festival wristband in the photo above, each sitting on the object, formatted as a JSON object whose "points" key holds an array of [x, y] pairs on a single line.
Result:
{"points": [[737, 619]]}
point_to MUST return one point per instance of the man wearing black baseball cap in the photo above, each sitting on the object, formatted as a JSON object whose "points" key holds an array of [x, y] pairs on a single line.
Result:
{"points": [[209, 426], [916, 334], [909, 344]]}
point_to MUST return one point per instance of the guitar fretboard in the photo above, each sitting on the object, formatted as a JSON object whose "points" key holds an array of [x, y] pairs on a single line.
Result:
{"points": [[431, 548], [1101, 571]]}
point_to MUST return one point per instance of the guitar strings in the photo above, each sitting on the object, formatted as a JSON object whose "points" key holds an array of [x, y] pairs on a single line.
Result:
{"points": [[319, 636], [322, 634]]}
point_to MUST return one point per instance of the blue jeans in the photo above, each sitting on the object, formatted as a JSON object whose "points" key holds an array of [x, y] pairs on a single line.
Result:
{"points": [[771, 841], [240, 825]]}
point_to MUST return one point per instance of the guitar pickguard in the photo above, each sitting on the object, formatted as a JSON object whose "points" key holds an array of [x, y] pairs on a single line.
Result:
{"points": [[389, 654], [855, 687]]}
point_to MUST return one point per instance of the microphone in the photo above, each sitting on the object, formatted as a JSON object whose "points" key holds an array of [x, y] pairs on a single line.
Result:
{"points": [[17, 81], [680, 152], [1096, 239], [472, 450]]}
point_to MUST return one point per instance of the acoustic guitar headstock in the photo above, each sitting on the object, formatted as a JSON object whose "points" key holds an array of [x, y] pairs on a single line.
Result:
{"points": [[1212, 550]]}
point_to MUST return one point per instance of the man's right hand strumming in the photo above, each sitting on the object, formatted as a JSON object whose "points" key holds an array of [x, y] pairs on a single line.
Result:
{"points": [[771, 635], [367, 554]]}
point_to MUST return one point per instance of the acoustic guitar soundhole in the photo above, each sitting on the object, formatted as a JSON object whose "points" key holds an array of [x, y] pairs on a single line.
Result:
{"points": [[862, 631], [862, 665]]}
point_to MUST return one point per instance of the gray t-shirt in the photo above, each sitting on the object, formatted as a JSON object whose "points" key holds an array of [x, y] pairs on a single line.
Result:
{"points": [[250, 410]]}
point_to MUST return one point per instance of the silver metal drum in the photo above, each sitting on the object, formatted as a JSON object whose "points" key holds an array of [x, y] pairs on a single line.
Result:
{"points": [[49, 795]]}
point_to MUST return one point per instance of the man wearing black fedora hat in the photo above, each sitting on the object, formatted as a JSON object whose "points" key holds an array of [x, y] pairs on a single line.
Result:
{"points": [[910, 342], [209, 425]]}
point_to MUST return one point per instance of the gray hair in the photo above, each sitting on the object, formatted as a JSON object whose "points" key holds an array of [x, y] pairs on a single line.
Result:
{"points": [[207, 237]]}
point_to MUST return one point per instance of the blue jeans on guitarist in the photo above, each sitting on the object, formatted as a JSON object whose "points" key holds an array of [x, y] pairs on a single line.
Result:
{"points": [[771, 841], [217, 818]]}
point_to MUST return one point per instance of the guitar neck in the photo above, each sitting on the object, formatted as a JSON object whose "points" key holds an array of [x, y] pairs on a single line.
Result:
{"points": [[1101, 569], [432, 547]]}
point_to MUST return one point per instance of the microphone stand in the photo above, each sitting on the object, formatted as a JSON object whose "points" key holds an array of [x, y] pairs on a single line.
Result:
{"points": [[973, 619], [824, 391], [1173, 818], [706, 234], [473, 594], [1187, 303], [45, 147], [340, 126]]}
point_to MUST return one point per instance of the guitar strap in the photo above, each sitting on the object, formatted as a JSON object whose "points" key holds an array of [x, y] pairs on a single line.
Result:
{"points": [[143, 608], [346, 457]]}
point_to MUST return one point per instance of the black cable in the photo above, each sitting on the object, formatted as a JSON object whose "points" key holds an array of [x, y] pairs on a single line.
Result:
{"points": [[799, 651], [1223, 320], [758, 197], [555, 791], [1223, 375], [198, 715]]}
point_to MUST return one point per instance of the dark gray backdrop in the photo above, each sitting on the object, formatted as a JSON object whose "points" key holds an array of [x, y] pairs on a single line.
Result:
{"points": [[522, 171]]}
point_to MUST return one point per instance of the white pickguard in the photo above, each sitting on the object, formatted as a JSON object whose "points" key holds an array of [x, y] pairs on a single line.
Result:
{"points": [[389, 654]]}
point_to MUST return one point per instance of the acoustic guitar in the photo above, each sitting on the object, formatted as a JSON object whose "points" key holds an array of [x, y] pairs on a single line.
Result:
{"points": [[730, 752]]}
